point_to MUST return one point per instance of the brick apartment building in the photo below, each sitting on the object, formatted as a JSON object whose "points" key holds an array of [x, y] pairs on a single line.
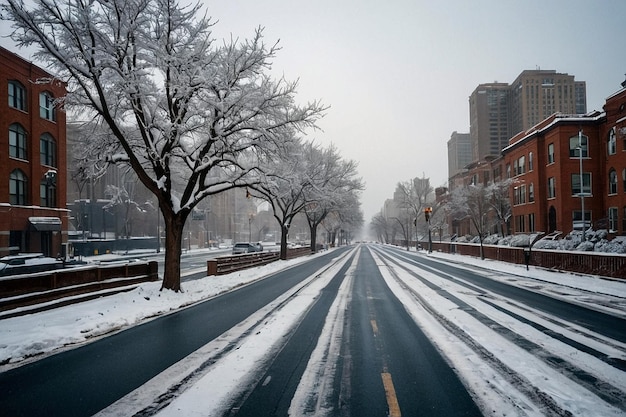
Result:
{"points": [[33, 217], [550, 189]]}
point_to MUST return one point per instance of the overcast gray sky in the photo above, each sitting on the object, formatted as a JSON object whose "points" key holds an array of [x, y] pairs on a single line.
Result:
{"points": [[398, 73]]}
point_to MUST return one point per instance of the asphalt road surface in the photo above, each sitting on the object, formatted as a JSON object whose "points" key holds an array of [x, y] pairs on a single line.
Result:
{"points": [[82, 381], [388, 366], [383, 364]]}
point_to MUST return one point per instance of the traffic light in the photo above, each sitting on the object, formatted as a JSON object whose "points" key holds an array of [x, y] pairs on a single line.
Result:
{"points": [[427, 212]]}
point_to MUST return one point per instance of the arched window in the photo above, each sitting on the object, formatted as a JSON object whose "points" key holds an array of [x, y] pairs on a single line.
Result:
{"points": [[612, 181], [46, 107], [17, 95], [17, 187], [612, 142], [17, 141], [48, 150]]}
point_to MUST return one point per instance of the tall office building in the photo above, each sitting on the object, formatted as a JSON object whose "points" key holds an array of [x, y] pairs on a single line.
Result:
{"points": [[459, 153], [498, 111], [490, 128], [538, 94]]}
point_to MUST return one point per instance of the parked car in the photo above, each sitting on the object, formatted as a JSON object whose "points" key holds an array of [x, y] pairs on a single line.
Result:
{"points": [[28, 263], [244, 247]]}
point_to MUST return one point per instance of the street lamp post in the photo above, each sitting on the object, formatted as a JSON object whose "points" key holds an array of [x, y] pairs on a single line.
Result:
{"points": [[582, 194], [250, 228]]}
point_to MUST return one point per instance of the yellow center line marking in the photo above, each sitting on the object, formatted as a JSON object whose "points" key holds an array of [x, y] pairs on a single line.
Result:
{"points": [[390, 392], [374, 327]]}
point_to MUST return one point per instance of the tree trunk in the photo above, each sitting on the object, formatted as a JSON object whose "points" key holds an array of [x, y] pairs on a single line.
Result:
{"points": [[174, 223], [482, 252], [313, 231], [284, 231]]}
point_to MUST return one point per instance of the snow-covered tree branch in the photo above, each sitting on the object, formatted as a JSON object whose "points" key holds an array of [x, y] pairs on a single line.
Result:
{"points": [[190, 117]]}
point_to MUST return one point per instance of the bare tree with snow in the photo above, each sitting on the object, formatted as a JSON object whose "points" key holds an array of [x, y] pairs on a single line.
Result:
{"points": [[472, 202], [283, 180], [414, 194], [335, 187], [381, 227], [500, 202], [188, 116]]}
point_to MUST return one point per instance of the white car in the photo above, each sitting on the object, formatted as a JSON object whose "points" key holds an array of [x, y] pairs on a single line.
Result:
{"points": [[244, 247]]}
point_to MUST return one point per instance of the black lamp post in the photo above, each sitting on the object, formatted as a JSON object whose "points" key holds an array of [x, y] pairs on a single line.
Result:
{"points": [[428, 211]]}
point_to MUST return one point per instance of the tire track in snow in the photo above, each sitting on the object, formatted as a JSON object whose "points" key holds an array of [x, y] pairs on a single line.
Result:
{"points": [[612, 395]]}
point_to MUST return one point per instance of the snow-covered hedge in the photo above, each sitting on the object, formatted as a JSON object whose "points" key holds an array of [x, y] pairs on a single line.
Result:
{"points": [[595, 241]]}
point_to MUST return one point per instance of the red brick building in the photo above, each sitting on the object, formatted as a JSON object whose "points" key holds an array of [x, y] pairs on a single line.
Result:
{"points": [[33, 217], [568, 164], [566, 170], [613, 133]]}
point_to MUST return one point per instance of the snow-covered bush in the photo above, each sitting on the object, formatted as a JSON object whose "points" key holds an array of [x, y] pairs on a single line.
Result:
{"points": [[520, 241], [617, 245], [595, 241], [491, 240]]}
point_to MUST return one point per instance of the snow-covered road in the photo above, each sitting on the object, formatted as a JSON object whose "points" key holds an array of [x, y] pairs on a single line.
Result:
{"points": [[514, 359]]}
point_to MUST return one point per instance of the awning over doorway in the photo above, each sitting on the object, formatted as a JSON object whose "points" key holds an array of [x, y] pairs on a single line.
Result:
{"points": [[45, 224]]}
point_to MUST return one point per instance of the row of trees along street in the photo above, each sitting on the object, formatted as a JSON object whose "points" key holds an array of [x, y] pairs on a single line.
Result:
{"points": [[485, 207], [192, 118]]}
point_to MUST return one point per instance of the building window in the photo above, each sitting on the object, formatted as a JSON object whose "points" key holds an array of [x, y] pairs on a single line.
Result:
{"points": [[531, 222], [624, 179], [613, 219], [520, 164], [530, 161], [17, 187], [46, 107], [47, 194], [577, 219], [48, 150], [551, 187], [17, 141], [17, 95], [612, 142], [531, 192], [612, 181], [508, 170], [575, 145], [577, 190], [520, 224], [519, 195], [551, 153], [624, 219]]}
